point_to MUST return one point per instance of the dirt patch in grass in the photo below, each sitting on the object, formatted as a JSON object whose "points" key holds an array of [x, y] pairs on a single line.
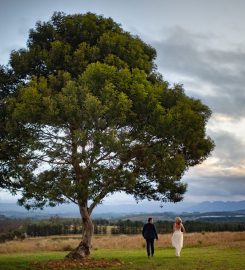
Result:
{"points": [[84, 263]]}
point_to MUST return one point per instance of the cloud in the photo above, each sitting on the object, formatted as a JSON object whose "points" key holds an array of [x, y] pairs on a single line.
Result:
{"points": [[222, 176], [230, 150], [227, 160], [220, 187], [201, 61]]}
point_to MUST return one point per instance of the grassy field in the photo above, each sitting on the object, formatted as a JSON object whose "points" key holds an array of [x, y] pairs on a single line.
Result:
{"points": [[218, 254]]}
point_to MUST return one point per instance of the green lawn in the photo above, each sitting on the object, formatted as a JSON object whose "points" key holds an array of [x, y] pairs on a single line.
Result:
{"points": [[199, 258]]}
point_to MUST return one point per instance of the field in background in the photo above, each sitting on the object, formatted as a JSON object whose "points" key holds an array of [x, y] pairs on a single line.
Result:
{"points": [[202, 251], [66, 243]]}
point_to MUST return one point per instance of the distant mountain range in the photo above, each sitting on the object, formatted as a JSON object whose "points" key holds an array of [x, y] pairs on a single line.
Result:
{"points": [[237, 216], [217, 206], [149, 207], [118, 210]]}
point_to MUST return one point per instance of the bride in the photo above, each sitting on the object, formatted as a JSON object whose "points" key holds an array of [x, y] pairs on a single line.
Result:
{"points": [[177, 237]]}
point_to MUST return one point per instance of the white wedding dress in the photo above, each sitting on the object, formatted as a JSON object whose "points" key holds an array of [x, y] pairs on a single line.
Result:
{"points": [[177, 240]]}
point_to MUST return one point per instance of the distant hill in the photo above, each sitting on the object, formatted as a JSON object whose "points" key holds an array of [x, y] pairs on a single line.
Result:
{"points": [[15, 211], [120, 210], [217, 206], [151, 207], [221, 216]]}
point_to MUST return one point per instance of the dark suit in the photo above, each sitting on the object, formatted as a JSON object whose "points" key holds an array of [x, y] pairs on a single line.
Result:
{"points": [[149, 233]]}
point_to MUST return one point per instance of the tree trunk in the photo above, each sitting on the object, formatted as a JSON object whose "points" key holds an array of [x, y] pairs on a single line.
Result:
{"points": [[83, 249]]}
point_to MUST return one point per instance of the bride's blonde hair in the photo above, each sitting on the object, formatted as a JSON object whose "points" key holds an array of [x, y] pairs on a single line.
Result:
{"points": [[178, 220]]}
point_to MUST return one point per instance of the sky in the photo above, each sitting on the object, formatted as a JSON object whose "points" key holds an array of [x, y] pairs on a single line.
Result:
{"points": [[199, 43]]}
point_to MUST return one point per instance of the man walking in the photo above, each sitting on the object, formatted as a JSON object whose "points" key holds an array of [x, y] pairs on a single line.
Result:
{"points": [[149, 233]]}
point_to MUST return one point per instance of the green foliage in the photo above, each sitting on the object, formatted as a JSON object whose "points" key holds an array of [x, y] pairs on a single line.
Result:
{"points": [[13, 137], [89, 116]]}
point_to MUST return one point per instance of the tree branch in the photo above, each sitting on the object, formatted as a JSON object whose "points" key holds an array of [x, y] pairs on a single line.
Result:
{"points": [[98, 199]]}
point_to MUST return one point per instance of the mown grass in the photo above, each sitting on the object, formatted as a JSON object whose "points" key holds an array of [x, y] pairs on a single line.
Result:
{"points": [[22, 260], [192, 258]]}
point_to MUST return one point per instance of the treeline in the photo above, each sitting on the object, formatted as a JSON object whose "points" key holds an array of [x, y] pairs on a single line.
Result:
{"points": [[63, 226], [103, 227], [200, 226], [46, 228], [11, 229], [12, 235], [54, 226], [127, 227], [10, 224]]}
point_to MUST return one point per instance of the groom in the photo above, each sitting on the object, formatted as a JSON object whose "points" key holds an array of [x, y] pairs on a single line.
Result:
{"points": [[149, 233]]}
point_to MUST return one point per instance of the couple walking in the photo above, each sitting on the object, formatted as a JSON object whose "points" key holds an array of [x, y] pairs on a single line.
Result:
{"points": [[150, 234]]}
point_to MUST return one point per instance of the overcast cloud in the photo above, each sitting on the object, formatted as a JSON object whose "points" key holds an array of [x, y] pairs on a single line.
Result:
{"points": [[215, 75]]}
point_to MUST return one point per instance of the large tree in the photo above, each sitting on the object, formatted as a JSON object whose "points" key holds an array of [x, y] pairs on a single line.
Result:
{"points": [[85, 114]]}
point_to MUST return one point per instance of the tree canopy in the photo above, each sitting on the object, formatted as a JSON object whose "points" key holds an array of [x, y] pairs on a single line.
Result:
{"points": [[85, 114]]}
